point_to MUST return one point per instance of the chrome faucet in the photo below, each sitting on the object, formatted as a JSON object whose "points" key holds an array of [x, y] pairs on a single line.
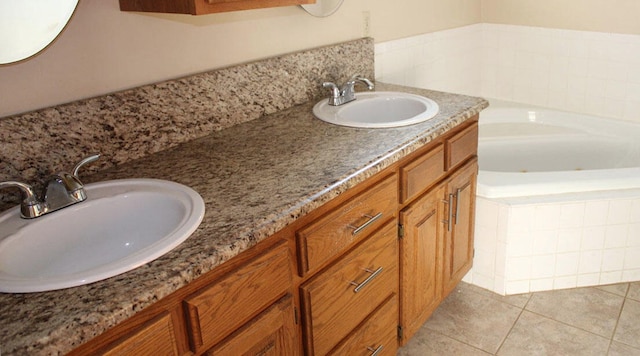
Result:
{"points": [[61, 190], [347, 93]]}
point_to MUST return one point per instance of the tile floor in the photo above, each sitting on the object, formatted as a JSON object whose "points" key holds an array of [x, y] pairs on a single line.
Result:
{"points": [[472, 321]]}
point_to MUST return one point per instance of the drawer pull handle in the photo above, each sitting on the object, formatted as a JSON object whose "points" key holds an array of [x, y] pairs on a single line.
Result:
{"points": [[373, 275], [371, 220], [375, 351]]}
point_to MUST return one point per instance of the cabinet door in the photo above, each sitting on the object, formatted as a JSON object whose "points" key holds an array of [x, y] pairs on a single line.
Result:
{"points": [[421, 251], [458, 255], [271, 333]]}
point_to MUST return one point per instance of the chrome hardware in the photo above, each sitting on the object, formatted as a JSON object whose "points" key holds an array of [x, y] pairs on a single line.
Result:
{"points": [[347, 93], [30, 206], [457, 205], [62, 190], [450, 212], [373, 275], [372, 219], [375, 351]]}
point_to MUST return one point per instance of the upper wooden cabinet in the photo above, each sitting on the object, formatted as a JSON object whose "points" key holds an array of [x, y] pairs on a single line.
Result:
{"points": [[203, 7]]}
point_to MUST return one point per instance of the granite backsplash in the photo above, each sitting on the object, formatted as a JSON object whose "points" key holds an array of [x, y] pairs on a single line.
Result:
{"points": [[131, 124]]}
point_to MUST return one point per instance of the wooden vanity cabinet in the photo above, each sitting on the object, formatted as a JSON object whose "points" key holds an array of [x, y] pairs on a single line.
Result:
{"points": [[244, 307], [203, 7], [436, 229], [372, 265]]}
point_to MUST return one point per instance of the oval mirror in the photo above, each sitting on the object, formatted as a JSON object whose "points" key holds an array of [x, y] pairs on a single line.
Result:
{"points": [[323, 8], [28, 26]]}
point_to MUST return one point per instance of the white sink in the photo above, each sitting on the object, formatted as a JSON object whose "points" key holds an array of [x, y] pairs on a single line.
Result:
{"points": [[122, 225], [378, 110]]}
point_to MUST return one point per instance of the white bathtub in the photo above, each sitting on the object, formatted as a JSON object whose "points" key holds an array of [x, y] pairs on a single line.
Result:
{"points": [[558, 200], [532, 151]]}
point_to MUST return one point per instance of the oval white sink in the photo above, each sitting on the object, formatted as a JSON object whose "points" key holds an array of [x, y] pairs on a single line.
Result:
{"points": [[378, 110], [122, 225]]}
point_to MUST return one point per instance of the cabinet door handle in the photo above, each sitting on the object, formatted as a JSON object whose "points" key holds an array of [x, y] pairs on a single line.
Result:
{"points": [[376, 351], [450, 212], [371, 220], [457, 205], [373, 275]]}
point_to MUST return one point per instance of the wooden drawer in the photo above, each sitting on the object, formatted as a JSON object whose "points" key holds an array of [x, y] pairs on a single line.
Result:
{"points": [[343, 295], [462, 146], [218, 310], [331, 234], [421, 173], [157, 337], [273, 332], [378, 333]]}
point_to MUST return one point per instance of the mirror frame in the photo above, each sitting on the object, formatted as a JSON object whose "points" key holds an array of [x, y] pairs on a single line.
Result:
{"points": [[323, 8]]}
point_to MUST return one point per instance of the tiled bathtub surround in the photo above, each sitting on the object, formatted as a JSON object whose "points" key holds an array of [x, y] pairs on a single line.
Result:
{"points": [[587, 72], [527, 245], [132, 124], [447, 60], [556, 242]]}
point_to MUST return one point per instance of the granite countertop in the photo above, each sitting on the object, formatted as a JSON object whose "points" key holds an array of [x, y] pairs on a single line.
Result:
{"points": [[255, 178]]}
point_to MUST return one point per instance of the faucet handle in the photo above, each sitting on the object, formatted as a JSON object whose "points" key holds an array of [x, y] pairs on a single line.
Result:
{"points": [[357, 78], [31, 206], [86, 160]]}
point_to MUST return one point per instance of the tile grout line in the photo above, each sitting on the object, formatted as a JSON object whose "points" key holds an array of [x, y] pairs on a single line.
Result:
{"points": [[514, 324], [615, 328]]}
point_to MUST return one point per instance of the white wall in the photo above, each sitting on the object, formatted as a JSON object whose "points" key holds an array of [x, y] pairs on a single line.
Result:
{"points": [[616, 16], [105, 50]]}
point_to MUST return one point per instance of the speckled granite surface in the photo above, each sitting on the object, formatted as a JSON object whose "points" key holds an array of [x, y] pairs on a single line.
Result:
{"points": [[255, 178], [134, 123]]}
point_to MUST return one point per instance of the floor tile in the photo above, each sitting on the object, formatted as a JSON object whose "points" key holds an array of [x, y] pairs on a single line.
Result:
{"points": [[536, 335], [619, 349], [428, 342], [518, 300], [617, 289], [474, 319], [634, 291], [628, 330], [590, 309]]}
